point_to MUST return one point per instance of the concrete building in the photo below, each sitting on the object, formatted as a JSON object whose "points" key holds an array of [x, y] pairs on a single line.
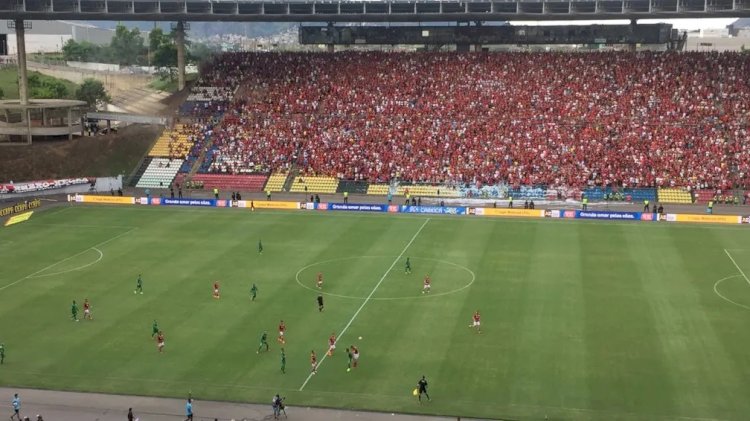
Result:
{"points": [[50, 36]]}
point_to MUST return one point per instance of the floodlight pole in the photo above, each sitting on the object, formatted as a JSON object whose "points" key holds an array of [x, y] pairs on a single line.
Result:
{"points": [[23, 78]]}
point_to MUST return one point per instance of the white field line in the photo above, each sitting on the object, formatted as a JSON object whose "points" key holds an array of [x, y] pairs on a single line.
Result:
{"points": [[66, 259], [737, 266], [364, 303], [98, 259]]}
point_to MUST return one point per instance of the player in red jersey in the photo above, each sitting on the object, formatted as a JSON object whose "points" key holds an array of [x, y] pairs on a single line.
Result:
{"points": [[331, 344], [320, 280], [476, 321], [282, 329], [87, 310], [216, 290], [160, 341], [355, 356], [426, 287], [314, 362]]}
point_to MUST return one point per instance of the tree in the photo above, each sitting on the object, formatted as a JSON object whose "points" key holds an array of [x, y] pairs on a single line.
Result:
{"points": [[81, 51], [164, 52], [45, 87], [200, 52], [92, 91], [127, 45]]}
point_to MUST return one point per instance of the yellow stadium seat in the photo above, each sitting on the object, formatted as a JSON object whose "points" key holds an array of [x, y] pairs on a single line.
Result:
{"points": [[276, 182], [673, 195], [377, 189], [304, 184]]}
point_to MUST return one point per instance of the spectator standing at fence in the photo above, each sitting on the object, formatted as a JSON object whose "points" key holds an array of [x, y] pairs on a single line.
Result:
{"points": [[16, 407], [189, 410]]}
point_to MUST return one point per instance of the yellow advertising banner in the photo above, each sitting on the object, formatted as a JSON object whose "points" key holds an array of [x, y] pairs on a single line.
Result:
{"points": [[19, 218], [708, 219], [269, 204], [526, 213], [118, 200]]}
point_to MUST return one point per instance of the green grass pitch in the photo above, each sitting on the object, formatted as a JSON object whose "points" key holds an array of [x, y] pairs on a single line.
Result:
{"points": [[581, 320]]}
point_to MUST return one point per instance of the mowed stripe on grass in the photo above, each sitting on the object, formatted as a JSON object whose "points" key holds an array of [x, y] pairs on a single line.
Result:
{"points": [[580, 321]]}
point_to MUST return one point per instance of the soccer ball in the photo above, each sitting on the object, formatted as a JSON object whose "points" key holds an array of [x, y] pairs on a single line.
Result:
{"points": [[348, 369], [360, 338]]}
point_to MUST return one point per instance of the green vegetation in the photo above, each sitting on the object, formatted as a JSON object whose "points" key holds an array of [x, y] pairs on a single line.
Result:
{"points": [[40, 86], [92, 91], [580, 320], [168, 84], [128, 48]]}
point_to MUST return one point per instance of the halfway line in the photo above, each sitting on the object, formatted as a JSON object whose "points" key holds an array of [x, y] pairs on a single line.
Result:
{"points": [[736, 265], [67, 258], [382, 278]]}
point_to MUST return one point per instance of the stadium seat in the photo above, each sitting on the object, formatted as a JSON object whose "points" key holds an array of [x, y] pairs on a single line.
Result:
{"points": [[160, 173], [252, 183], [275, 182], [314, 185], [674, 195]]}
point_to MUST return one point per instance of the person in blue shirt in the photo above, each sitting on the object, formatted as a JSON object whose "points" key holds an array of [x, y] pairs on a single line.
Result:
{"points": [[16, 407], [189, 410]]}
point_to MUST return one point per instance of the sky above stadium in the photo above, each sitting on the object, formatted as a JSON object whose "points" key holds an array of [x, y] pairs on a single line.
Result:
{"points": [[687, 24]]}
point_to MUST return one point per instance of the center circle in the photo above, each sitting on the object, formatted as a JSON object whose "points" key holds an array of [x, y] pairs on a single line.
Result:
{"points": [[466, 280]]}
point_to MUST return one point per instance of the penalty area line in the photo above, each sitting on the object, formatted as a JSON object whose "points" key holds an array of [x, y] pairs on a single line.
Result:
{"points": [[737, 266], [67, 258], [367, 299]]}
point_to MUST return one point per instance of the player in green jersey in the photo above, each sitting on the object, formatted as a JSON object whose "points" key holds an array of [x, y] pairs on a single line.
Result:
{"points": [[263, 342], [138, 285], [260, 247], [154, 328], [349, 356], [254, 292], [407, 270], [74, 310], [283, 361], [2, 353]]}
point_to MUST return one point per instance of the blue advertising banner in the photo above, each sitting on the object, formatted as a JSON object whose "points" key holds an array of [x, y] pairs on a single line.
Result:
{"points": [[611, 215], [188, 202], [357, 207], [434, 210]]}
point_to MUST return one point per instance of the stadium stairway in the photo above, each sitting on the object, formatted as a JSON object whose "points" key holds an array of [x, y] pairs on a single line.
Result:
{"points": [[252, 183], [136, 176], [353, 187], [675, 195], [160, 173], [303, 184]]}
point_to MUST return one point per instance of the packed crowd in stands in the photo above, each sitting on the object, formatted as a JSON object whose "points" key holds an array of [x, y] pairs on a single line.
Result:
{"points": [[554, 119]]}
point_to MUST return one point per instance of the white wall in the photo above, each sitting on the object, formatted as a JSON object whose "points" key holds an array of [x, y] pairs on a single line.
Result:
{"points": [[39, 43]]}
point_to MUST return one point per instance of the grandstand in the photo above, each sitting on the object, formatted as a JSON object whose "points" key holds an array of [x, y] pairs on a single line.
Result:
{"points": [[355, 133]]}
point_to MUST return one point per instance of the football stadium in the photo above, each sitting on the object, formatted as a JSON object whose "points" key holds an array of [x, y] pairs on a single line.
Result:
{"points": [[448, 218]]}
